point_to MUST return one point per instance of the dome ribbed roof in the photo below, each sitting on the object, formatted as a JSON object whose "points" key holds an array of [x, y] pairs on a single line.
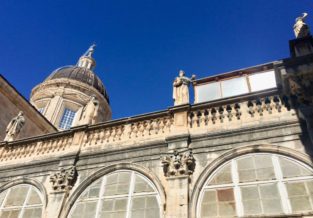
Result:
{"points": [[80, 74]]}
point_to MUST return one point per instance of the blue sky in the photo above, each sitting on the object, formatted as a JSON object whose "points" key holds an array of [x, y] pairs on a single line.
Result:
{"points": [[141, 44]]}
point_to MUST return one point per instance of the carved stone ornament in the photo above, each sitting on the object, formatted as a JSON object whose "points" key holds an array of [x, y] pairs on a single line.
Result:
{"points": [[14, 127], [181, 88], [64, 179], [300, 28], [178, 164]]}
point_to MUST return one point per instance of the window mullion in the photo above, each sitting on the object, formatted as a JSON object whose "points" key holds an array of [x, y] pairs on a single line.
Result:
{"points": [[5, 198], [130, 194], [101, 193], [237, 193], [281, 186], [25, 202]]}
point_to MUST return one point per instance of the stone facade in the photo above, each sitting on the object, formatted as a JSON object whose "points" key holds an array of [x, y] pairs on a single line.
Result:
{"points": [[167, 163]]}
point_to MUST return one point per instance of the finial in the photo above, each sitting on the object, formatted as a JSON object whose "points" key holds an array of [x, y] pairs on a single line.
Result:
{"points": [[87, 60], [90, 50], [300, 28]]}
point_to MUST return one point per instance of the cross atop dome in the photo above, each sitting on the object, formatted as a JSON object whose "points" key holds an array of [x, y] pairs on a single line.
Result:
{"points": [[86, 60]]}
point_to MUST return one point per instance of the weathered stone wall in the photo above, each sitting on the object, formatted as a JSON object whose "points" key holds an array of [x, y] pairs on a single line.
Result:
{"points": [[10, 110]]}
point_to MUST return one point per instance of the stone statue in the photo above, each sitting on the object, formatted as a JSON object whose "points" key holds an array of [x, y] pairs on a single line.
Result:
{"points": [[181, 88], [90, 112], [14, 127], [300, 28]]}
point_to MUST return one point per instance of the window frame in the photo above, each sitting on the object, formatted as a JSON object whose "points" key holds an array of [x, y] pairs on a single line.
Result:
{"points": [[221, 91], [279, 180], [23, 207], [130, 194]]}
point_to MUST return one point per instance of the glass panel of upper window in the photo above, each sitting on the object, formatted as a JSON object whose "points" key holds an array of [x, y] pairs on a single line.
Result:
{"points": [[67, 119], [208, 92], [262, 81], [233, 87]]}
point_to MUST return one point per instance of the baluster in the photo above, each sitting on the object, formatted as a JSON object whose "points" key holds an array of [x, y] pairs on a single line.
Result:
{"points": [[268, 106], [229, 112], [259, 107], [221, 114], [238, 112], [251, 108], [277, 103], [213, 113]]}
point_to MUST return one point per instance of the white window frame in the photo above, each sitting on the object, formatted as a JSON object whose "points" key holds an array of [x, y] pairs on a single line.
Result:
{"points": [[130, 195], [221, 94], [279, 180], [24, 206]]}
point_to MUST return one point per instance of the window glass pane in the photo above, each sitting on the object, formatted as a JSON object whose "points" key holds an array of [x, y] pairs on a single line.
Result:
{"points": [[92, 191], [233, 87], [251, 200], [264, 167], [85, 209], [32, 213], [208, 92], [292, 168], [113, 208], [2, 196], [299, 194], [262, 81], [270, 199], [145, 207], [117, 184], [141, 185], [218, 203], [222, 177], [67, 119], [246, 169], [33, 198], [10, 213], [16, 196]]}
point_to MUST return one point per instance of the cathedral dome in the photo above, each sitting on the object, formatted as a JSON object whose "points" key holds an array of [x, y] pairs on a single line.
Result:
{"points": [[81, 74]]}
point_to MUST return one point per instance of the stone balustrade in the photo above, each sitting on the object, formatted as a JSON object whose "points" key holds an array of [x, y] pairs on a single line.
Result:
{"points": [[34, 148], [244, 112], [214, 116]]}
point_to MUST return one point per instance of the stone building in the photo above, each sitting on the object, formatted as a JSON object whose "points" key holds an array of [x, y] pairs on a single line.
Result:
{"points": [[242, 149]]}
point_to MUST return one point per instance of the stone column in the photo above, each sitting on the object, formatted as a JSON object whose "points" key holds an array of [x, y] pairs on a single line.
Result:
{"points": [[177, 168], [177, 198], [56, 203]]}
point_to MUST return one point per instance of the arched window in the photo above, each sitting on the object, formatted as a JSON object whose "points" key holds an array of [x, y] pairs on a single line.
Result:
{"points": [[257, 184], [21, 201], [116, 195]]}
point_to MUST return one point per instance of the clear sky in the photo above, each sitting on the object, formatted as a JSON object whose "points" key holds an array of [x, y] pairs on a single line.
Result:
{"points": [[141, 44]]}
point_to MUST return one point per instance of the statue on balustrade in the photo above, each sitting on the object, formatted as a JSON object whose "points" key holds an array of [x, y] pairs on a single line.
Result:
{"points": [[89, 112], [14, 127], [300, 28], [181, 88]]}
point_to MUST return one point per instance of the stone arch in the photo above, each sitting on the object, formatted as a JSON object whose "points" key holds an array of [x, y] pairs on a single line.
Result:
{"points": [[32, 182], [109, 169], [229, 155]]}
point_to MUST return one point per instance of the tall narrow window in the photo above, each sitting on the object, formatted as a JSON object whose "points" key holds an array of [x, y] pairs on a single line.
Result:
{"points": [[67, 119]]}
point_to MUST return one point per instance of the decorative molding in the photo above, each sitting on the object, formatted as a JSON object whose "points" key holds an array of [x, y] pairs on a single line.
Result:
{"points": [[64, 179], [178, 164]]}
